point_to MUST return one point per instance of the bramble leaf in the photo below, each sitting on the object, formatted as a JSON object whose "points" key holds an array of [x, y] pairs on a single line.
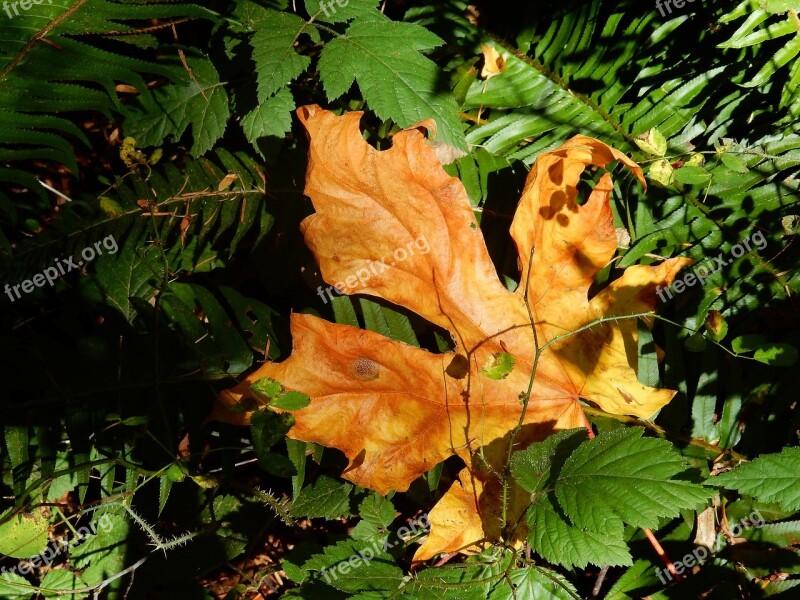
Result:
{"points": [[771, 478]]}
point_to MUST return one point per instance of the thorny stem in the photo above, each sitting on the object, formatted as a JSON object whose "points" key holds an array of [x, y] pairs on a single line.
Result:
{"points": [[526, 398]]}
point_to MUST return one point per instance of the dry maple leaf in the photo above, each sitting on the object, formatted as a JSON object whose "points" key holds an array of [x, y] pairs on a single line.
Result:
{"points": [[396, 410]]}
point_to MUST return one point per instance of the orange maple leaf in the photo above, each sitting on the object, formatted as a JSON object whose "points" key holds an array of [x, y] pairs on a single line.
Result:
{"points": [[395, 410]]}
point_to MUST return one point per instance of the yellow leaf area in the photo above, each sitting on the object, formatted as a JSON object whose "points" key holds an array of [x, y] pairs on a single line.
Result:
{"points": [[396, 410]]}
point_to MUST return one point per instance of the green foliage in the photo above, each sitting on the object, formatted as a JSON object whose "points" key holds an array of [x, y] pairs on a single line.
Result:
{"points": [[200, 103], [571, 480], [165, 132], [81, 75], [771, 478], [382, 56]]}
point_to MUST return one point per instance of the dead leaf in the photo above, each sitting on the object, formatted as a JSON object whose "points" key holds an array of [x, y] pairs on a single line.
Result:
{"points": [[226, 182], [396, 411], [493, 62]]}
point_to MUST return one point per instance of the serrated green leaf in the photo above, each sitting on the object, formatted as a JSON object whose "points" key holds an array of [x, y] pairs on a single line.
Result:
{"points": [[396, 80], [327, 498], [473, 580], [534, 583], [536, 467], [164, 488], [747, 343], [377, 514], [771, 478], [640, 575], [354, 567], [277, 61], [272, 117], [559, 542], [24, 534], [340, 11], [267, 387], [636, 472], [103, 554], [200, 103]]}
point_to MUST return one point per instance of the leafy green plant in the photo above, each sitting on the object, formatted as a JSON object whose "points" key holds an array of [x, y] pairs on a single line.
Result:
{"points": [[169, 126]]}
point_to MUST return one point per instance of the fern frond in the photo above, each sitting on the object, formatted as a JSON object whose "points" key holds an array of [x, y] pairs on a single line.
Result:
{"points": [[85, 45]]}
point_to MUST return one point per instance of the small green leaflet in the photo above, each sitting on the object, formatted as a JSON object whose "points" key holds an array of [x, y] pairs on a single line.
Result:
{"points": [[499, 365], [272, 117], [769, 353], [778, 355], [14, 586], [59, 581], [290, 401], [534, 467], [770, 478], [24, 534], [267, 428], [277, 396], [377, 514], [269, 388], [631, 583], [653, 142], [692, 175]]}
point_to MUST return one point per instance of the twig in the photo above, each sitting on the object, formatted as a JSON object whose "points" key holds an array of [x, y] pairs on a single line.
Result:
{"points": [[660, 551], [601, 577]]}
